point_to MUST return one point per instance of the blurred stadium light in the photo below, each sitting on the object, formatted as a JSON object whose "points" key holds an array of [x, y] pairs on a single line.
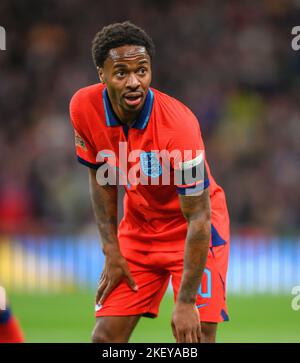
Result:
{"points": [[257, 265]]}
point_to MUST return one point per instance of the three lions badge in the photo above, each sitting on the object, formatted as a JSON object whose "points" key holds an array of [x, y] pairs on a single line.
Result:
{"points": [[150, 164]]}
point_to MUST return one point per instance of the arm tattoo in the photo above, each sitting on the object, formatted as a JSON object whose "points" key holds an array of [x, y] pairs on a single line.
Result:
{"points": [[105, 206], [196, 210]]}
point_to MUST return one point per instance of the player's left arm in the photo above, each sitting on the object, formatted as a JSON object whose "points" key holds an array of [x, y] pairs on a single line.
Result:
{"points": [[185, 320], [183, 139]]}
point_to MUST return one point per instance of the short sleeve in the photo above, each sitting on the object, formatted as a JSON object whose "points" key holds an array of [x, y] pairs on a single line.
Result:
{"points": [[86, 153], [186, 146]]}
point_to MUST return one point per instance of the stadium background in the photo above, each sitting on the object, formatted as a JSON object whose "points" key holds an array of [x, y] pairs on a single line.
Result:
{"points": [[232, 64]]}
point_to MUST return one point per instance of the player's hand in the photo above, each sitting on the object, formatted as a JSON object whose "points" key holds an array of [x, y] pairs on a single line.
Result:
{"points": [[186, 324], [115, 270]]}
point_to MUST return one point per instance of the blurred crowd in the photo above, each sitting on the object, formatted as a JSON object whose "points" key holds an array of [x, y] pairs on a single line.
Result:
{"points": [[230, 61]]}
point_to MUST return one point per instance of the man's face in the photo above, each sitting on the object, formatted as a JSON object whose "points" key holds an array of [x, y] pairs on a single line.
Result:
{"points": [[127, 74]]}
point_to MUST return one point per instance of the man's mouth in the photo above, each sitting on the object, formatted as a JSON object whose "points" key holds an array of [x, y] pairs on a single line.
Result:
{"points": [[133, 98]]}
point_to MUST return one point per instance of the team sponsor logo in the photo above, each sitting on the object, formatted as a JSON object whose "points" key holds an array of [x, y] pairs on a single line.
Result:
{"points": [[79, 141], [150, 164]]}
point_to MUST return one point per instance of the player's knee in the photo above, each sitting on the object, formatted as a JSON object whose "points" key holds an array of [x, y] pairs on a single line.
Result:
{"points": [[99, 337], [103, 336], [208, 332], [207, 337]]}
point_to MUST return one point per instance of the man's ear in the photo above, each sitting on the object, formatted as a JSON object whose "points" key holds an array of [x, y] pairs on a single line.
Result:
{"points": [[101, 74]]}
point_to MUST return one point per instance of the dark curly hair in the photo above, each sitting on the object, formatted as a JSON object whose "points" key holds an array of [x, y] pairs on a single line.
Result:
{"points": [[116, 35]]}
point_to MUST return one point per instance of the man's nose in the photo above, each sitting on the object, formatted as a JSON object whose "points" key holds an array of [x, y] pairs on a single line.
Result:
{"points": [[132, 81]]}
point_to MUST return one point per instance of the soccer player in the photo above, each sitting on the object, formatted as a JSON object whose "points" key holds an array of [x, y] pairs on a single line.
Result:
{"points": [[10, 331], [178, 229]]}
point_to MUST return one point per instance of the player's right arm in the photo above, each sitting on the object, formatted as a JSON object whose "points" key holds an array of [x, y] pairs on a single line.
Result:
{"points": [[104, 201]]}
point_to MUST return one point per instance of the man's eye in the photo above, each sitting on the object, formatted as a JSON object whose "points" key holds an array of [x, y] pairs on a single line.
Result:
{"points": [[142, 70], [120, 74]]}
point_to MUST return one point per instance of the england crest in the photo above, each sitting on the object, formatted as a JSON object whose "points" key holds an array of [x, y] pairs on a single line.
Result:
{"points": [[150, 164]]}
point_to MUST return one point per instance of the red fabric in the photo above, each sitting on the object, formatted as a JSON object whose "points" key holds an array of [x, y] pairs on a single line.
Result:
{"points": [[152, 271], [11, 332], [152, 216]]}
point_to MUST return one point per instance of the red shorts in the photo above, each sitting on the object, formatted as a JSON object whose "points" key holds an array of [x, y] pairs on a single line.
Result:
{"points": [[152, 271]]}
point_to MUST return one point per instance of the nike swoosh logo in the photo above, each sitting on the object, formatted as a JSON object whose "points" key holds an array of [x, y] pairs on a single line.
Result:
{"points": [[98, 307], [201, 305]]}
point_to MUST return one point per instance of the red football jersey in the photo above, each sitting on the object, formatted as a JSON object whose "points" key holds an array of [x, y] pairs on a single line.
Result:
{"points": [[152, 216]]}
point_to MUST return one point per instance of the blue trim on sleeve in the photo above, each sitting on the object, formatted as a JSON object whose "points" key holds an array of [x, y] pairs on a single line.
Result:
{"points": [[194, 189], [88, 164]]}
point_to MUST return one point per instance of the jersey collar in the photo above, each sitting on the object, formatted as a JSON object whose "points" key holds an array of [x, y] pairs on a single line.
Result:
{"points": [[143, 117]]}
